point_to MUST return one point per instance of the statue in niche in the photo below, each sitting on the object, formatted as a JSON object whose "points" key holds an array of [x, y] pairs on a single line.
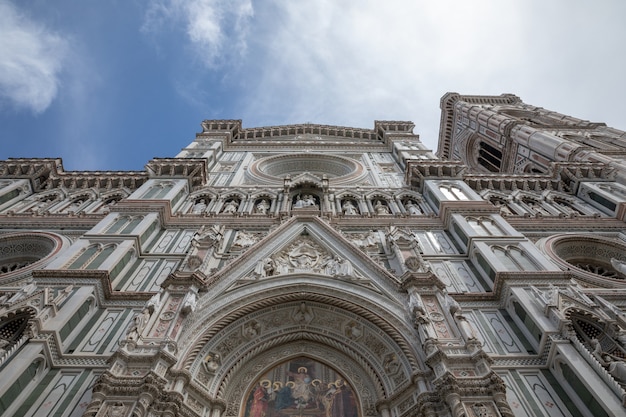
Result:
{"points": [[262, 207], [264, 268], [199, 206], [349, 208], [412, 208], [106, 208], [306, 201], [613, 364], [41, 205], [212, 362], [73, 207], [230, 207], [501, 205], [535, 207], [381, 208]]}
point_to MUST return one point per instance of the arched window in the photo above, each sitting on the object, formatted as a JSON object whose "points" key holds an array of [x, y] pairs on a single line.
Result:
{"points": [[158, 191], [513, 258], [484, 226], [93, 256], [489, 157], [452, 192]]}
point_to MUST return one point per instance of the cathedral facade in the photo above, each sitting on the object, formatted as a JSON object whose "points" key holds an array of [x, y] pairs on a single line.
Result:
{"points": [[324, 271]]}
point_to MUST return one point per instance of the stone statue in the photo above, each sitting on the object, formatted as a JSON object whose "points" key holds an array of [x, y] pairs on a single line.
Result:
{"points": [[199, 207], [230, 207], [307, 201], [411, 207], [262, 207], [381, 208], [349, 208]]}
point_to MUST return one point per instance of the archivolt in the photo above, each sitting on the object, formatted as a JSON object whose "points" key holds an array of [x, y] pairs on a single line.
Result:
{"points": [[371, 311]]}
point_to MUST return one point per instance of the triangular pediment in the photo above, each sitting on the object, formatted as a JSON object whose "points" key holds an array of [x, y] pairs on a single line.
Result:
{"points": [[304, 246]]}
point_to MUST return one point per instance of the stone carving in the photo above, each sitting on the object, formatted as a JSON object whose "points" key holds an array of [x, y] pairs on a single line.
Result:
{"points": [[353, 330], [3, 347], [212, 362], [303, 314], [381, 208], [117, 409], [613, 364], [264, 268], [245, 239], [230, 207], [199, 206], [139, 323], [189, 305], [349, 208], [251, 329], [412, 208], [619, 266], [262, 207], [73, 207], [415, 264], [24, 292], [307, 201], [365, 240], [154, 303], [304, 255], [207, 236], [391, 363]]}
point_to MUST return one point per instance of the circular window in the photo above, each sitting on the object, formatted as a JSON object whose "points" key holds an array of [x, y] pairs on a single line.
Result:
{"points": [[26, 250], [336, 169], [589, 256]]}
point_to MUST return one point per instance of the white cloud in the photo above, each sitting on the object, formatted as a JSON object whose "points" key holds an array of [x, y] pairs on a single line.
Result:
{"points": [[353, 62], [216, 29], [350, 63], [31, 62]]}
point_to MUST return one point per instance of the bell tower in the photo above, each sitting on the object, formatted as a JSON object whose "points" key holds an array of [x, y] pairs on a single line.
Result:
{"points": [[502, 134]]}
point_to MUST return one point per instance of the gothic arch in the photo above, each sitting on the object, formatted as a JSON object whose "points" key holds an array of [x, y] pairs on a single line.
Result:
{"points": [[383, 358]]}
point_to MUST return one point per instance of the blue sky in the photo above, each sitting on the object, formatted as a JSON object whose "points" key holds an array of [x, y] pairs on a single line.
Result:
{"points": [[110, 84]]}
